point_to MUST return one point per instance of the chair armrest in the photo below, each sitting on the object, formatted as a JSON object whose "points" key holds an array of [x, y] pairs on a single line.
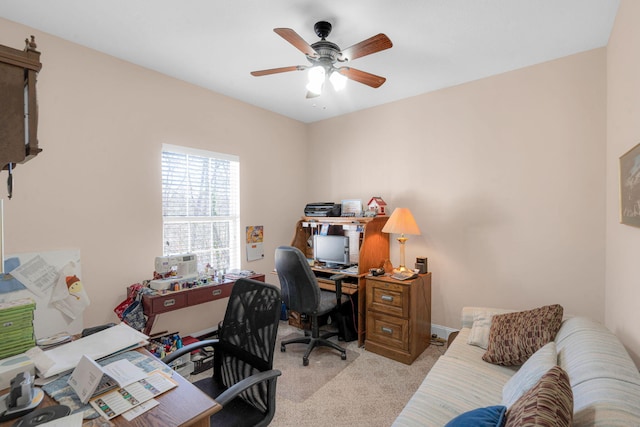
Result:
{"points": [[337, 279], [233, 391], [188, 349]]}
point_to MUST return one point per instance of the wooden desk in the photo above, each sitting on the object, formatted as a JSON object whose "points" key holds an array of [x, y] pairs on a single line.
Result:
{"points": [[184, 405], [372, 252], [152, 305], [353, 284]]}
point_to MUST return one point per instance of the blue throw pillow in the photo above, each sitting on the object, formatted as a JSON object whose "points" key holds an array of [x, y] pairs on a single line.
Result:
{"points": [[491, 416]]}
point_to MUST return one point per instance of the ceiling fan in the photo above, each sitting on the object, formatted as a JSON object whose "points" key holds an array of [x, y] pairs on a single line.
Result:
{"points": [[323, 56]]}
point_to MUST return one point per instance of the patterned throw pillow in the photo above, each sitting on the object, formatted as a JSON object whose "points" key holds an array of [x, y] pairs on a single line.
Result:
{"points": [[548, 404], [514, 337]]}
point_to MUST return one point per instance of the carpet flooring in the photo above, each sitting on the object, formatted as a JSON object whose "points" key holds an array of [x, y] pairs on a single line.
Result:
{"points": [[365, 390]]}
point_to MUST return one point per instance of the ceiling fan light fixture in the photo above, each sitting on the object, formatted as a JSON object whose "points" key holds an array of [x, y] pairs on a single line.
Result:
{"points": [[316, 79], [338, 81], [316, 75], [315, 88]]}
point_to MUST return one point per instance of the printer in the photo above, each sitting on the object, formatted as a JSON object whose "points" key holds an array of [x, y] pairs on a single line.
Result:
{"points": [[322, 209]]}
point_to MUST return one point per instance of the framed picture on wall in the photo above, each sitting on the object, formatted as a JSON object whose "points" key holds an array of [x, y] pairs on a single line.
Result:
{"points": [[630, 187]]}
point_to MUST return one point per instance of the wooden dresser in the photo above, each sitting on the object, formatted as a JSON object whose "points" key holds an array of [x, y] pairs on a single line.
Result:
{"points": [[398, 316]]}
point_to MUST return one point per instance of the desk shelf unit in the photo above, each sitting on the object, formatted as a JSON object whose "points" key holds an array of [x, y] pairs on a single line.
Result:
{"points": [[153, 305], [373, 250]]}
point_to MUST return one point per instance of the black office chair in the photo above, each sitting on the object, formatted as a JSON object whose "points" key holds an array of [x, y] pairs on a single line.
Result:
{"points": [[301, 293], [243, 381]]}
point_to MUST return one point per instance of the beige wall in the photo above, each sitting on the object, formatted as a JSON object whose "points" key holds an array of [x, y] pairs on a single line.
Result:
{"points": [[96, 186], [505, 177], [623, 133]]}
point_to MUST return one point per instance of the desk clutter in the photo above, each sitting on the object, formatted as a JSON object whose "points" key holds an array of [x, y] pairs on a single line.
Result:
{"points": [[190, 364], [72, 374], [62, 392], [132, 310]]}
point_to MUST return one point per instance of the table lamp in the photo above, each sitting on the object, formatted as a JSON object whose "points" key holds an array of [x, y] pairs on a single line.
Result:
{"points": [[401, 222]]}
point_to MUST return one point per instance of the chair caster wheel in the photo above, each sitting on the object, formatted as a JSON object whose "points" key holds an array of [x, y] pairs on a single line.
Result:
{"points": [[305, 361], [343, 356], [283, 348]]}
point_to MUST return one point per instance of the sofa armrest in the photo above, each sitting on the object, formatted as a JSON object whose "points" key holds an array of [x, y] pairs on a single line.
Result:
{"points": [[469, 314]]}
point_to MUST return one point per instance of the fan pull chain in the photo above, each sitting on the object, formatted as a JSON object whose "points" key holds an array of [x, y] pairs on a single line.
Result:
{"points": [[10, 181]]}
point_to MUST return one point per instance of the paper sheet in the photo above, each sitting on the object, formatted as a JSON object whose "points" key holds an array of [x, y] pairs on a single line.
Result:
{"points": [[86, 377], [114, 403], [37, 275], [69, 295], [73, 420]]}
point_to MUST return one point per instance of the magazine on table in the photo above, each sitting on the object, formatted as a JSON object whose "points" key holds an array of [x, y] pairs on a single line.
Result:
{"points": [[119, 401]]}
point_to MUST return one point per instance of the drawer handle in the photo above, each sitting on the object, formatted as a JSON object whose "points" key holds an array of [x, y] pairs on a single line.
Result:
{"points": [[169, 302], [216, 292], [387, 298], [387, 330]]}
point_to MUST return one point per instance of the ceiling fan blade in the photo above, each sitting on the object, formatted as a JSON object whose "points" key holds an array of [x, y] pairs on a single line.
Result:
{"points": [[367, 47], [362, 77], [298, 42], [277, 70]]}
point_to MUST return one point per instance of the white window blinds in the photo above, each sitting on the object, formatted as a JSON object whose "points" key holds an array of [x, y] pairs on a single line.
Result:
{"points": [[201, 206]]}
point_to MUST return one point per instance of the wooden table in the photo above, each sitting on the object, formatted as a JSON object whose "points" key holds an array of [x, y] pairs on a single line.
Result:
{"points": [[152, 305], [184, 405]]}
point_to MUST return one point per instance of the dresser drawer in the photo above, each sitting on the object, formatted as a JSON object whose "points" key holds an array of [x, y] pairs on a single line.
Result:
{"points": [[208, 293], [388, 298], [388, 330], [164, 303]]}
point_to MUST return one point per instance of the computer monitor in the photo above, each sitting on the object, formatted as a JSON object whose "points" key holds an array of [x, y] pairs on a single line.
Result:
{"points": [[333, 250]]}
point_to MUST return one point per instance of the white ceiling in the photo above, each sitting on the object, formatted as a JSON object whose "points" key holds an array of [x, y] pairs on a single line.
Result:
{"points": [[216, 43]]}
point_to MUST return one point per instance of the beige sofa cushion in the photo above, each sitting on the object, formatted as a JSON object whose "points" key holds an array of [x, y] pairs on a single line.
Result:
{"points": [[529, 374]]}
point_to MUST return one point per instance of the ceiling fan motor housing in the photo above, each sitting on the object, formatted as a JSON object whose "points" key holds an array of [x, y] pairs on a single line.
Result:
{"points": [[322, 29], [327, 51]]}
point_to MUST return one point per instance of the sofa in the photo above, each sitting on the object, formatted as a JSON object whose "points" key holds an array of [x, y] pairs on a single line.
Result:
{"points": [[604, 382]]}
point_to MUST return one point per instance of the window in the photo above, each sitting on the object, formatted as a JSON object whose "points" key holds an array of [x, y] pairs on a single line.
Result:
{"points": [[201, 206]]}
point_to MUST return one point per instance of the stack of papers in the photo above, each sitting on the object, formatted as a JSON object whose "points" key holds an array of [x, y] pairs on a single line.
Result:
{"points": [[66, 357]]}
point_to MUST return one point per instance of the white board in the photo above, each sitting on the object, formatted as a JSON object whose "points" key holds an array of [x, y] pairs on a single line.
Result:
{"points": [[48, 320]]}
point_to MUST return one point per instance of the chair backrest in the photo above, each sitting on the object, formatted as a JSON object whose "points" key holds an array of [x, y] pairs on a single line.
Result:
{"points": [[248, 336], [299, 286]]}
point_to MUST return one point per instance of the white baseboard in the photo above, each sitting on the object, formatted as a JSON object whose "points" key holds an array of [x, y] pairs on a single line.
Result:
{"points": [[442, 331]]}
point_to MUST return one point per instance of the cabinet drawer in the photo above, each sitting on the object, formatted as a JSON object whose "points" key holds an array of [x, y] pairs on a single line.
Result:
{"points": [[208, 293], [388, 330], [165, 303], [389, 298]]}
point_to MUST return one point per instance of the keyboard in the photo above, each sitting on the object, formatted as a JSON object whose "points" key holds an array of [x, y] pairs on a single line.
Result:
{"points": [[350, 270]]}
